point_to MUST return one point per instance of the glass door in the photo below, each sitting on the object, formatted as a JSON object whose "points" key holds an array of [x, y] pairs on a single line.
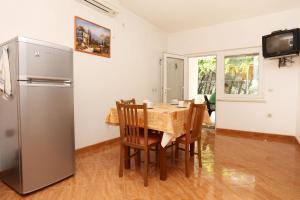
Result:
{"points": [[202, 81], [173, 77]]}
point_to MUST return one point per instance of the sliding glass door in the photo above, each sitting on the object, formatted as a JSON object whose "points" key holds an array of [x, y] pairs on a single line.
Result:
{"points": [[202, 81]]}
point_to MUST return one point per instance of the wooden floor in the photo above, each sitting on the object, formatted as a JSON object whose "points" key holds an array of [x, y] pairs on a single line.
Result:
{"points": [[233, 168]]}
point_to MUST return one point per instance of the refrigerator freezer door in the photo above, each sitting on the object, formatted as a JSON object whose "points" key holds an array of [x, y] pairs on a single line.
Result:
{"points": [[39, 61], [47, 134]]}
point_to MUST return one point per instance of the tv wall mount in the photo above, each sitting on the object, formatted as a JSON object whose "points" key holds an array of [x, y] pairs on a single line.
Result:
{"points": [[284, 61]]}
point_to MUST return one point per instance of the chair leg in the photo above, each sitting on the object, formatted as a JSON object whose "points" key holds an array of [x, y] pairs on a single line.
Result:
{"points": [[146, 159], [176, 151], [127, 157], [187, 160], [138, 158], [121, 166], [199, 152], [192, 149]]}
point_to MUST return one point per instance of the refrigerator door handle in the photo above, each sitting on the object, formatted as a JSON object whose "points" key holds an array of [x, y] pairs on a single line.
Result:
{"points": [[30, 80], [45, 79], [44, 84]]}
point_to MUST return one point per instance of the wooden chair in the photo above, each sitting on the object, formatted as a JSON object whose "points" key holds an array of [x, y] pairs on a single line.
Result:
{"points": [[137, 151], [134, 136], [193, 128]]}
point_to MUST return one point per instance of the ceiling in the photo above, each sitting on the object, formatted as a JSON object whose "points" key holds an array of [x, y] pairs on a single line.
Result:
{"points": [[179, 15]]}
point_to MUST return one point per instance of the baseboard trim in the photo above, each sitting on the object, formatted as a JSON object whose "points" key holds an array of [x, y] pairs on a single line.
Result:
{"points": [[97, 146], [258, 136]]}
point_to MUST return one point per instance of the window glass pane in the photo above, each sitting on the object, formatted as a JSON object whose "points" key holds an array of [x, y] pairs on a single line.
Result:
{"points": [[241, 74]]}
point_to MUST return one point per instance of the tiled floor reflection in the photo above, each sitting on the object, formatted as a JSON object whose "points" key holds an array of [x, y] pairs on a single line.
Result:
{"points": [[234, 168]]}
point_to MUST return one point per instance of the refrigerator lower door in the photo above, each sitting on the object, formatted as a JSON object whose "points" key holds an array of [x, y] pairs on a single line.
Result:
{"points": [[47, 135], [9, 128]]}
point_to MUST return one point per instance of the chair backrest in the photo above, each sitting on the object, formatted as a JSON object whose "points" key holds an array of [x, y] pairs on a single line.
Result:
{"points": [[130, 101], [194, 121], [133, 121]]}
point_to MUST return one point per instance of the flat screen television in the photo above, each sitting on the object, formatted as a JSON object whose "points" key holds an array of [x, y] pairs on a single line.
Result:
{"points": [[281, 43]]}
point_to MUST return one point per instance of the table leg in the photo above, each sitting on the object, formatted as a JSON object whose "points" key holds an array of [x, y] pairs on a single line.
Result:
{"points": [[157, 155], [163, 166], [127, 157]]}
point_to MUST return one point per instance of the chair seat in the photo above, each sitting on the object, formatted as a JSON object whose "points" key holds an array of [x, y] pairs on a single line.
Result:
{"points": [[152, 139]]}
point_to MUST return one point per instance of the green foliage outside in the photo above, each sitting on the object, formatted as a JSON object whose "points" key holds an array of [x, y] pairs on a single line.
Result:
{"points": [[240, 74], [207, 74]]}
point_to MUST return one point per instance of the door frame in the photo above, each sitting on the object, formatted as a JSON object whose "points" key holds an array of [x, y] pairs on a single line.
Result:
{"points": [[164, 75]]}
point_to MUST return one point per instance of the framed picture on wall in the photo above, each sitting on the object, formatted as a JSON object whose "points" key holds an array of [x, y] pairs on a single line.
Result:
{"points": [[91, 38]]}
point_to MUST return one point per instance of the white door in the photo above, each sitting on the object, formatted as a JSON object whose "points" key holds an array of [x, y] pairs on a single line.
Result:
{"points": [[173, 77]]}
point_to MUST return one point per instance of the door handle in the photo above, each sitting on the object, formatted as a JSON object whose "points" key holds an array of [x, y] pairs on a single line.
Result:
{"points": [[45, 84]]}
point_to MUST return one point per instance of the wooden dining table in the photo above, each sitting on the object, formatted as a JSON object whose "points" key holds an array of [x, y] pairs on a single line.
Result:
{"points": [[166, 119]]}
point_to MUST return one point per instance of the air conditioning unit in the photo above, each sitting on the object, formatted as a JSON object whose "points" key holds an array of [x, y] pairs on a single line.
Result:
{"points": [[102, 6]]}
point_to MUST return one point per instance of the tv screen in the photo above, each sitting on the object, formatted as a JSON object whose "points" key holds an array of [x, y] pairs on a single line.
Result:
{"points": [[281, 43]]}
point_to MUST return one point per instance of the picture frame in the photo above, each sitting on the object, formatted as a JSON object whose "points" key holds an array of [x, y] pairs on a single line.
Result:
{"points": [[91, 38]]}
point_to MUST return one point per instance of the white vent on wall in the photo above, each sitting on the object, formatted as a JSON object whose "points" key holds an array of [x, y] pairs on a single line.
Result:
{"points": [[102, 6]]}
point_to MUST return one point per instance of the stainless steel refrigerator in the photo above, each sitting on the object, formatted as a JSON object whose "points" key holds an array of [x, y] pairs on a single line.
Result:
{"points": [[36, 121]]}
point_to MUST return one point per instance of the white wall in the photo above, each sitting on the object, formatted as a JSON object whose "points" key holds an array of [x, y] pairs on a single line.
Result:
{"points": [[132, 71], [281, 85]]}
